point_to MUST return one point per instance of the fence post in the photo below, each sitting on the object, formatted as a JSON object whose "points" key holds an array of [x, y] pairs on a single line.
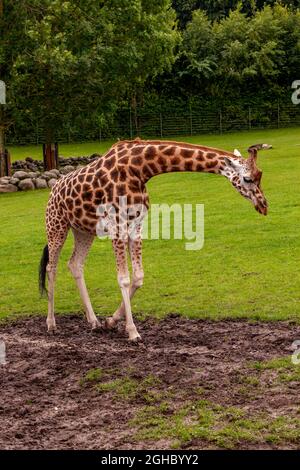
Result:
{"points": [[37, 133], [221, 121], [130, 123], [249, 118], [191, 120], [278, 115], [161, 124]]}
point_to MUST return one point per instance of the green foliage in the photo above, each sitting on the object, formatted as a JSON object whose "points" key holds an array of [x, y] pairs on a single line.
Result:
{"points": [[73, 68], [69, 59], [238, 52], [200, 46], [218, 9]]}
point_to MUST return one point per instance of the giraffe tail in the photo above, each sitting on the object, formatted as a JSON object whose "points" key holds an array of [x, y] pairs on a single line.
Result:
{"points": [[42, 271]]}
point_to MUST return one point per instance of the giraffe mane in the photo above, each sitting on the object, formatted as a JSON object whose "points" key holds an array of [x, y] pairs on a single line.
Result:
{"points": [[140, 141]]}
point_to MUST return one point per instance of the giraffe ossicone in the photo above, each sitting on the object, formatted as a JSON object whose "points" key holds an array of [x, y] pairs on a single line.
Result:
{"points": [[89, 198]]}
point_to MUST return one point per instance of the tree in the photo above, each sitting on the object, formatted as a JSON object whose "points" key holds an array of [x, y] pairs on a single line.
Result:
{"points": [[11, 43], [84, 57], [239, 55], [218, 9]]}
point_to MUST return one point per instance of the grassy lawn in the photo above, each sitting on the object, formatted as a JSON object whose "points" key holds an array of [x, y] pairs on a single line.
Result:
{"points": [[248, 267]]}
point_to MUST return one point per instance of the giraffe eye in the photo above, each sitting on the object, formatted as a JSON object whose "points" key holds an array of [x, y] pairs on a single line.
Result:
{"points": [[248, 180]]}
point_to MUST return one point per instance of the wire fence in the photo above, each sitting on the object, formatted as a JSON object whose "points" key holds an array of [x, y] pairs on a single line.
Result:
{"points": [[182, 122]]}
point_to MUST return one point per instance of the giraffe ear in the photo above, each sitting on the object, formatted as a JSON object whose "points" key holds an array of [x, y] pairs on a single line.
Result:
{"points": [[237, 153], [232, 163]]}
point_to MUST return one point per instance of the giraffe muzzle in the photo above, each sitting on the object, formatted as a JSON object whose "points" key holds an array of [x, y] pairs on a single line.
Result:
{"points": [[261, 207]]}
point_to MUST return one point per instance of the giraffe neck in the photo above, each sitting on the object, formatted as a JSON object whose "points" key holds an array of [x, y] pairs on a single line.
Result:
{"points": [[151, 158]]}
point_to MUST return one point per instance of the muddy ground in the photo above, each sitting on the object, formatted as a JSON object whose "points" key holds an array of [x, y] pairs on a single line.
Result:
{"points": [[47, 404]]}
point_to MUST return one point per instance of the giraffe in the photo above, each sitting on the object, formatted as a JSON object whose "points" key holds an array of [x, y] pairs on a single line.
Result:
{"points": [[123, 172]]}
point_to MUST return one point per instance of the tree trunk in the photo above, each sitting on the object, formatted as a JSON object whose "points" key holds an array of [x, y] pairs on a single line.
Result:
{"points": [[50, 156], [50, 151], [2, 138], [5, 166], [2, 152]]}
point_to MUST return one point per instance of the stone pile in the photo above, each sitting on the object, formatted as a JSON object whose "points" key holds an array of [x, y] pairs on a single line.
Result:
{"points": [[28, 174], [37, 165]]}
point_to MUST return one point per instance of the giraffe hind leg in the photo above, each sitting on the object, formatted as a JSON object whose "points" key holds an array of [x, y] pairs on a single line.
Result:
{"points": [[82, 244], [56, 241]]}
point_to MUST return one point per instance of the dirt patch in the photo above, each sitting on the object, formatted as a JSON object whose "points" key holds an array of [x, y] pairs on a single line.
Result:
{"points": [[78, 390]]}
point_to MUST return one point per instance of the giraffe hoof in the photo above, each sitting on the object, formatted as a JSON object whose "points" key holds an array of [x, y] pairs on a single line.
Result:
{"points": [[51, 331], [135, 340], [96, 326], [110, 324]]}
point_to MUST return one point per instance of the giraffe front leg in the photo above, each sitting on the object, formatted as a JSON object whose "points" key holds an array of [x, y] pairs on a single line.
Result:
{"points": [[135, 249], [120, 248], [82, 244]]}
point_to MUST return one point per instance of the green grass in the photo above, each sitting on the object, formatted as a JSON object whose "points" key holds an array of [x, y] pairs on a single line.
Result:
{"points": [[286, 370], [122, 387], [221, 426], [275, 364], [92, 375], [248, 267]]}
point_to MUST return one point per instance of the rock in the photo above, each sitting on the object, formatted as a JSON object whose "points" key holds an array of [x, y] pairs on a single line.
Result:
{"points": [[32, 166], [14, 180], [8, 188], [48, 174], [41, 183], [51, 183], [21, 175], [67, 169], [28, 164], [30, 169], [26, 184], [18, 164], [32, 174], [55, 172], [51, 175], [4, 179]]}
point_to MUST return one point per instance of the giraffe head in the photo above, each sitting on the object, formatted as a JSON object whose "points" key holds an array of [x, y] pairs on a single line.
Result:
{"points": [[246, 177]]}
